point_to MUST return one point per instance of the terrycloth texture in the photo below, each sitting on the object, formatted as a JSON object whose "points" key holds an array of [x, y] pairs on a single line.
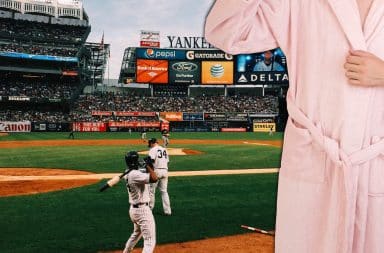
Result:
{"points": [[331, 182]]}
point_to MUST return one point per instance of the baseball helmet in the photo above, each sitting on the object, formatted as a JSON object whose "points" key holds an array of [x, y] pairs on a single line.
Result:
{"points": [[151, 141], [132, 159]]}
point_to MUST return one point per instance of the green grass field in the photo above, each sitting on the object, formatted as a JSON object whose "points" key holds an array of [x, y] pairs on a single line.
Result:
{"points": [[84, 220]]}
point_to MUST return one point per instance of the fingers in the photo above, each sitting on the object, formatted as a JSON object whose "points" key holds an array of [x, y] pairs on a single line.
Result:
{"points": [[352, 59], [352, 75], [355, 82], [352, 67], [359, 53]]}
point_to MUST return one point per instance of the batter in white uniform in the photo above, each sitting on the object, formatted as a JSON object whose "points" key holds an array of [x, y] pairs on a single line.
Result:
{"points": [[160, 160], [141, 215]]}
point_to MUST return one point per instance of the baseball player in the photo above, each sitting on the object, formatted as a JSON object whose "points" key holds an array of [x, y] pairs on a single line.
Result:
{"points": [[143, 135], [165, 137], [141, 215], [271, 131], [160, 159]]}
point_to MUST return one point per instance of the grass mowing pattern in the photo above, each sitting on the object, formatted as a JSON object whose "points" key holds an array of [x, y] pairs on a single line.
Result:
{"points": [[84, 220], [103, 159], [136, 135]]}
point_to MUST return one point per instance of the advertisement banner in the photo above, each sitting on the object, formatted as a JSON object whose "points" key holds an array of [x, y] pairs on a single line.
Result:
{"points": [[149, 38], [49, 127], [15, 126], [70, 73], [234, 116], [261, 78], [134, 114], [89, 126], [214, 116], [264, 127], [193, 116], [133, 124], [164, 126], [160, 54], [149, 44], [39, 57], [101, 113], [184, 72], [268, 67], [207, 55], [263, 119], [241, 129], [217, 72], [18, 98], [152, 71], [172, 116]]}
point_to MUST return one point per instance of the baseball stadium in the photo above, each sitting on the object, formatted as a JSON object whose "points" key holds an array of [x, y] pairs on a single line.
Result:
{"points": [[64, 132]]}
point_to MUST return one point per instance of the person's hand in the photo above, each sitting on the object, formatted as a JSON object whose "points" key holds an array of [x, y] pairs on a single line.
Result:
{"points": [[365, 69]]}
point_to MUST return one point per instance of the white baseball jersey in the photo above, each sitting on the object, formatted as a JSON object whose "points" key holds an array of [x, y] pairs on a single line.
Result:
{"points": [[139, 212], [160, 156], [138, 187]]}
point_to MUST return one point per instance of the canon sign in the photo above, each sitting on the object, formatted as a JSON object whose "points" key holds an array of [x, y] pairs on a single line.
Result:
{"points": [[21, 126]]}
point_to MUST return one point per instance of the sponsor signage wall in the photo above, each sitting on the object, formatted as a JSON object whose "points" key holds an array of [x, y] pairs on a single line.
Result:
{"points": [[160, 54], [15, 126], [152, 71], [123, 114], [186, 72], [217, 72], [216, 67]]}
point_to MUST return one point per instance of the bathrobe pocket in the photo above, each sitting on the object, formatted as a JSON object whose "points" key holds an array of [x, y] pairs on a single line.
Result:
{"points": [[302, 158], [376, 176]]}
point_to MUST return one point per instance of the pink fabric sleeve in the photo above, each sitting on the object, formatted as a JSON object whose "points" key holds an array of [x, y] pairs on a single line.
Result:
{"points": [[246, 26]]}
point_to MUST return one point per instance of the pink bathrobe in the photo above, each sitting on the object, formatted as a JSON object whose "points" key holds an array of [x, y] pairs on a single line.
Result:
{"points": [[331, 182]]}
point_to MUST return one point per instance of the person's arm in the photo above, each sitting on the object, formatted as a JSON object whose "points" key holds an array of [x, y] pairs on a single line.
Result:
{"points": [[247, 26], [152, 175], [364, 68]]}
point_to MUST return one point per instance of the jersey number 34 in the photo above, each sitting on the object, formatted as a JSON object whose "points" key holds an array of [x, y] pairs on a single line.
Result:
{"points": [[161, 154]]}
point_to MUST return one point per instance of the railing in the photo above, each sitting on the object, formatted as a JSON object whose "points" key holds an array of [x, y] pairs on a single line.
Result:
{"points": [[52, 8]]}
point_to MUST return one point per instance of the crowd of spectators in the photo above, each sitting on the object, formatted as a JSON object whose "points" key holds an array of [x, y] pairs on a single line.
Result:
{"points": [[35, 49], [27, 30], [40, 38], [33, 116], [41, 90], [118, 102]]}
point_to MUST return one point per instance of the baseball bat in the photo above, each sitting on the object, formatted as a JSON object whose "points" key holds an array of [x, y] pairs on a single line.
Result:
{"points": [[113, 181], [258, 230]]}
